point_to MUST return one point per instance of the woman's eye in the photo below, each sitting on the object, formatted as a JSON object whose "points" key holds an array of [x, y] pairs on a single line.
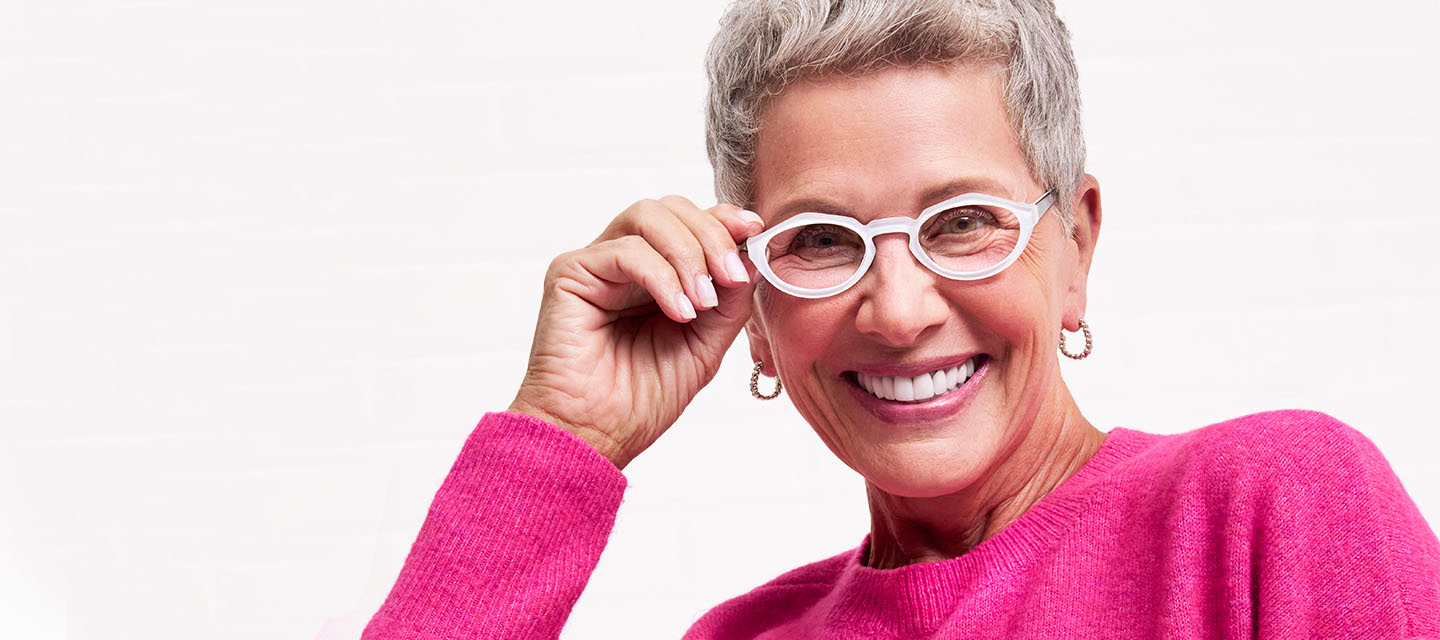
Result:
{"points": [[962, 224], [821, 236], [820, 240], [963, 221]]}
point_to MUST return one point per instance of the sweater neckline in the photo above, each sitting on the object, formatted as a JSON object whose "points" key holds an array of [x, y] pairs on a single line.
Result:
{"points": [[915, 598]]}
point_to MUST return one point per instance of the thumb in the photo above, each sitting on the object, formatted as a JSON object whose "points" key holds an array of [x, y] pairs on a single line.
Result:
{"points": [[718, 327]]}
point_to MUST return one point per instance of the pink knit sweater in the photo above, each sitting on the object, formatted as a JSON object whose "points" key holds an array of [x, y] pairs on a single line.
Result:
{"points": [[1286, 524]]}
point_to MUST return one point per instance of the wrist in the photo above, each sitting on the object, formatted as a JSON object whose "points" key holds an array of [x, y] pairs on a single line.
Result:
{"points": [[598, 440]]}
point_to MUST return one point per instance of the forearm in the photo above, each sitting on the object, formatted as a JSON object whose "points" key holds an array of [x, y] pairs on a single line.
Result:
{"points": [[511, 537]]}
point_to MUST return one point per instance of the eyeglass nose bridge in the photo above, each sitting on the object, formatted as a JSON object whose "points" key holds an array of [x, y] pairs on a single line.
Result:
{"points": [[886, 226], [899, 224]]}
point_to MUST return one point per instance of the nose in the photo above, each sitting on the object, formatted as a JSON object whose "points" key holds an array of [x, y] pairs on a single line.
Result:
{"points": [[900, 304]]}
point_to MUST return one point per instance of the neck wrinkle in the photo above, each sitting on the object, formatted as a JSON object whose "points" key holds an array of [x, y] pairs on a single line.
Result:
{"points": [[898, 539]]}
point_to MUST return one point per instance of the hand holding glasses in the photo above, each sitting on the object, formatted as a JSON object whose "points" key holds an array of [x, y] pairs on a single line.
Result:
{"points": [[968, 237]]}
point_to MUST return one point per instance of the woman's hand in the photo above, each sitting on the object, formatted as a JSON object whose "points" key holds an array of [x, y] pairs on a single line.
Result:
{"points": [[634, 325]]}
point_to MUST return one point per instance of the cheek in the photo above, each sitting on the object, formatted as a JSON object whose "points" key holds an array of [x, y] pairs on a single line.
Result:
{"points": [[803, 332], [800, 331], [1032, 288], [1013, 305]]}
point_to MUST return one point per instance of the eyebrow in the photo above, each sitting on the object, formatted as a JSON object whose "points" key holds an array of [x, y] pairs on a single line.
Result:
{"points": [[974, 184]]}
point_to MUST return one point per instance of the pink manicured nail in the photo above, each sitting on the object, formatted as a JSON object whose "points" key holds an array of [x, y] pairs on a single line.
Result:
{"points": [[735, 269], [706, 289], [686, 310], [751, 217]]}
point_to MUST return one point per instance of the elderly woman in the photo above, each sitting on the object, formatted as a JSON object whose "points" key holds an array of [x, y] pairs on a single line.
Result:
{"points": [[916, 234]]}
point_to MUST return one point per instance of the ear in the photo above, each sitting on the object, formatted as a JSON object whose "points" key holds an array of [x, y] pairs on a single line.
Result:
{"points": [[1087, 231], [759, 339]]}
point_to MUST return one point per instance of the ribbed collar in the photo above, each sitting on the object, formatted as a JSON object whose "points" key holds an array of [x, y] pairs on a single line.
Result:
{"points": [[915, 599]]}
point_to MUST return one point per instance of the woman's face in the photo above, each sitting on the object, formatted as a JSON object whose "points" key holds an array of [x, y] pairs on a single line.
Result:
{"points": [[889, 144]]}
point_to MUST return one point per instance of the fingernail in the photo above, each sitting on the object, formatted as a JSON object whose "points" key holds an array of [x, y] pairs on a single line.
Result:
{"points": [[707, 291], [735, 269], [751, 217], [686, 311]]}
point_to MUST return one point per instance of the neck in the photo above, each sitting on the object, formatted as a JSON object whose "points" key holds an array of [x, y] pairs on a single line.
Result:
{"points": [[908, 530]]}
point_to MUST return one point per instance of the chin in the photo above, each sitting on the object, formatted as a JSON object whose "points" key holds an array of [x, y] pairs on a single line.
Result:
{"points": [[911, 486], [924, 471]]}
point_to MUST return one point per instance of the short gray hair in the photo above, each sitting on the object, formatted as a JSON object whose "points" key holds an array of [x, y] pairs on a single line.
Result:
{"points": [[765, 45]]}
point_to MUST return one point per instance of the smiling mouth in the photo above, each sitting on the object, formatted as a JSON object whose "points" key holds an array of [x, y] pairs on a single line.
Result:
{"points": [[920, 388]]}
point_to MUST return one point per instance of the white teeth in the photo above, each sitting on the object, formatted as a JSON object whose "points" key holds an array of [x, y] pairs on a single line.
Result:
{"points": [[904, 389], [874, 385], [917, 388], [924, 387]]}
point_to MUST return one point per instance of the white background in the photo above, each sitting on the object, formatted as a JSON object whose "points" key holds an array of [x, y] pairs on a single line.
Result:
{"points": [[264, 264]]}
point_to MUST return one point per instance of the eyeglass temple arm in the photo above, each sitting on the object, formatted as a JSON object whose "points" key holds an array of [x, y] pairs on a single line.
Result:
{"points": [[1046, 201]]}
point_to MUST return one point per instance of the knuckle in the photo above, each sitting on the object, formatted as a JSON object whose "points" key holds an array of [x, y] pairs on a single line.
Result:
{"points": [[636, 212], [688, 255], [632, 244], [724, 209], [647, 217], [677, 201], [646, 207], [562, 260], [559, 264], [633, 248]]}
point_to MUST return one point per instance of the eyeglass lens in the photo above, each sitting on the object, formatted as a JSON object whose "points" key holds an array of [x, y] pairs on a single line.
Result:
{"points": [[968, 238]]}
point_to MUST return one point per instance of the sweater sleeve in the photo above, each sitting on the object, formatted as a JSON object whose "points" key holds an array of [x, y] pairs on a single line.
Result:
{"points": [[1343, 550], [511, 538]]}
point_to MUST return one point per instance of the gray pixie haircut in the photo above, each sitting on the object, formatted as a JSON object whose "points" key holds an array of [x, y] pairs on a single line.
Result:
{"points": [[764, 46]]}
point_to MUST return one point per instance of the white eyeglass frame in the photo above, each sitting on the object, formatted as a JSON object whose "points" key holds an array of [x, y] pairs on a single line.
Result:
{"points": [[1027, 214]]}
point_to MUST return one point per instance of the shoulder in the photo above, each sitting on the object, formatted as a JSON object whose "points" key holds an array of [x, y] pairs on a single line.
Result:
{"points": [[1291, 438], [1255, 459], [1335, 540], [1272, 427], [1295, 465]]}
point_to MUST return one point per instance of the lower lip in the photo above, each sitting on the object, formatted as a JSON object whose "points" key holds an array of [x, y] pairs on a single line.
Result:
{"points": [[939, 407]]}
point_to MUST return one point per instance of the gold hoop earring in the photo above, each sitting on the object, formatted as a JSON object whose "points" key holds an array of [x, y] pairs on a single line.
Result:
{"points": [[755, 385], [1088, 342]]}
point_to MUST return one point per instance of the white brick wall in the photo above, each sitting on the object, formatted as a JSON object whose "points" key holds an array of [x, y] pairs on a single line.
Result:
{"points": [[264, 264]]}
